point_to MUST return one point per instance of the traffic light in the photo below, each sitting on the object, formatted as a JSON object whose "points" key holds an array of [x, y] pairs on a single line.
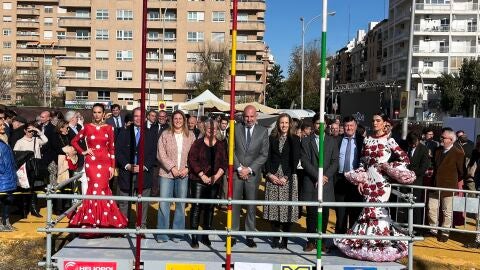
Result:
{"points": [[162, 105]]}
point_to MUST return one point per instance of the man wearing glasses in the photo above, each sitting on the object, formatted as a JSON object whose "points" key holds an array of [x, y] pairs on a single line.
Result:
{"points": [[449, 163]]}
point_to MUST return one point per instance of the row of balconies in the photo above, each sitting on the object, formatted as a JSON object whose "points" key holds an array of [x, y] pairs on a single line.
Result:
{"points": [[465, 7], [445, 28], [444, 49]]}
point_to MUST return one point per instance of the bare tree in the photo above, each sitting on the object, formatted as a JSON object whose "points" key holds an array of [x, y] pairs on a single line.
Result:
{"points": [[7, 78], [212, 65], [38, 83]]}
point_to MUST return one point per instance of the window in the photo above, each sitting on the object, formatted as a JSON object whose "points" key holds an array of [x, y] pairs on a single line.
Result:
{"points": [[153, 35], [152, 55], [102, 14], [7, 5], [48, 9], [428, 64], [242, 17], [82, 34], [195, 16], [153, 15], [124, 75], [193, 56], [242, 38], [7, 44], [81, 74], [169, 76], [169, 36], [81, 95], [241, 57], [216, 56], [101, 54], [218, 16], [125, 55], [195, 36], [193, 76], [61, 35], [101, 74], [103, 95], [218, 36], [7, 58], [7, 18], [124, 34], [101, 34], [48, 21], [125, 96], [81, 13], [7, 31], [124, 15], [47, 34], [48, 60]]}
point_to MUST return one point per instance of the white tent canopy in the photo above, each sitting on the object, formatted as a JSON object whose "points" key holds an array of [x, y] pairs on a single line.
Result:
{"points": [[205, 100], [299, 114]]}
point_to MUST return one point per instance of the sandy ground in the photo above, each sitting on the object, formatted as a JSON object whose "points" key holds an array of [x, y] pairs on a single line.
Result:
{"points": [[23, 248]]}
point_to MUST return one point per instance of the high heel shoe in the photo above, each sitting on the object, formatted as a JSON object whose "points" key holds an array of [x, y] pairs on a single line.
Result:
{"points": [[194, 243], [283, 244], [275, 242], [206, 241]]}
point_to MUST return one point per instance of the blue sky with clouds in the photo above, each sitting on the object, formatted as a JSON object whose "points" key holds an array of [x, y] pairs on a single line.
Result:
{"points": [[284, 30]]}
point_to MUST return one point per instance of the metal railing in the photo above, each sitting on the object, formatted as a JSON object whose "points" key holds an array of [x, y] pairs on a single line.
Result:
{"points": [[468, 203], [51, 193]]}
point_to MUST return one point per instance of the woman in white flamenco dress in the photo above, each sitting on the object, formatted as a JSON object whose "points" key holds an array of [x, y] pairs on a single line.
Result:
{"points": [[373, 178]]}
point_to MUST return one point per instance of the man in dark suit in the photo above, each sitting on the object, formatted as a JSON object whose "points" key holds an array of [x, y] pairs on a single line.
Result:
{"points": [[449, 165], [126, 153], [350, 148], [116, 119], [47, 150], [309, 157], [419, 163], [251, 152], [18, 124], [162, 122], [152, 120]]}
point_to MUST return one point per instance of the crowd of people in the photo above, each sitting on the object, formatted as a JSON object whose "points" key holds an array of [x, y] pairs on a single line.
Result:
{"points": [[187, 156]]}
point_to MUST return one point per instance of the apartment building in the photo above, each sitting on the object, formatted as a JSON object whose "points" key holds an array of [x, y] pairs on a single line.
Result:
{"points": [[101, 48], [29, 41]]}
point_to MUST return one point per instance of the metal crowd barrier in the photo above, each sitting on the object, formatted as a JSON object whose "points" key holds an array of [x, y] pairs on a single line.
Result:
{"points": [[50, 224], [469, 203]]}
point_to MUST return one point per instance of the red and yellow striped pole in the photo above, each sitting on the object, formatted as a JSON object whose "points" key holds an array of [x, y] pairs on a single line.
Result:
{"points": [[231, 139]]}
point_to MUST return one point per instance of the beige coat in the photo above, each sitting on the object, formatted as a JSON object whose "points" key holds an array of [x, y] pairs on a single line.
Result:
{"points": [[167, 152]]}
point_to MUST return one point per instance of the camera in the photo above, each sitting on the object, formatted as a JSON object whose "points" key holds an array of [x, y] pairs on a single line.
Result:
{"points": [[35, 134]]}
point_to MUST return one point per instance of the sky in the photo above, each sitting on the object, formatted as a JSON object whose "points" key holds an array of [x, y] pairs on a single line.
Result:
{"points": [[284, 30]]}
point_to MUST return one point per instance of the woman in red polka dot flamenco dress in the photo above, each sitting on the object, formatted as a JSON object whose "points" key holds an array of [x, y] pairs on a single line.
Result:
{"points": [[99, 168]]}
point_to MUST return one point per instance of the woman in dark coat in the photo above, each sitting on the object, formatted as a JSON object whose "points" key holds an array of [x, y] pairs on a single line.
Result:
{"points": [[281, 177], [8, 181]]}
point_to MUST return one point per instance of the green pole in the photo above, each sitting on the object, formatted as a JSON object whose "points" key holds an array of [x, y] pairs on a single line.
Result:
{"points": [[322, 131]]}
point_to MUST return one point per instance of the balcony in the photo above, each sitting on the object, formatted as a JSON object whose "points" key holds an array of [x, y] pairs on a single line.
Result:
{"points": [[41, 50], [433, 29], [258, 25], [27, 63], [464, 7], [78, 41], [157, 43], [432, 8], [28, 24], [27, 36], [156, 63], [73, 81], [463, 49], [74, 22], [68, 61], [428, 49], [251, 5], [74, 3], [254, 86], [251, 45], [428, 72], [28, 11], [170, 23], [250, 65], [464, 29]]}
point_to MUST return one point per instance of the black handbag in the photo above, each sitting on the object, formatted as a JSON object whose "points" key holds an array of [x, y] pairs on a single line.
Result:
{"points": [[34, 166]]}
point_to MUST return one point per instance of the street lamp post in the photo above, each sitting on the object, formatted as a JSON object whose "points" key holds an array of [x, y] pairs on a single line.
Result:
{"points": [[304, 28]]}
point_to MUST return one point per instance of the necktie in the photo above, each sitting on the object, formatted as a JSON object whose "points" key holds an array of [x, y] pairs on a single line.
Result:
{"points": [[249, 136], [137, 135], [116, 122], [348, 151]]}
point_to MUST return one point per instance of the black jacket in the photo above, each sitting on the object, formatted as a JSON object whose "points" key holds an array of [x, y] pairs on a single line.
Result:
{"points": [[288, 158], [48, 154], [419, 163], [125, 152]]}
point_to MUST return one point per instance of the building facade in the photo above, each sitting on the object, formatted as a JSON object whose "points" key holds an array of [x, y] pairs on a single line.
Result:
{"points": [[100, 45]]}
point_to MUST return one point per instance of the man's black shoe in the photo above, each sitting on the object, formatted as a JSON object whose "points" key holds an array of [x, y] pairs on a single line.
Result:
{"points": [[250, 243]]}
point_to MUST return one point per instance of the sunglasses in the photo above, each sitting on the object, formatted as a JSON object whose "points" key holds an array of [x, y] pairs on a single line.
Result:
{"points": [[2, 118], [30, 131]]}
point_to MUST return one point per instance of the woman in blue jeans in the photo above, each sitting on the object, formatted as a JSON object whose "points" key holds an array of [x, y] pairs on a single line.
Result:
{"points": [[173, 147]]}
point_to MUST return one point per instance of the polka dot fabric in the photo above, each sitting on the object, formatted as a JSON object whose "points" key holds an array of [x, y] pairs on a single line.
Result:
{"points": [[98, 213]]}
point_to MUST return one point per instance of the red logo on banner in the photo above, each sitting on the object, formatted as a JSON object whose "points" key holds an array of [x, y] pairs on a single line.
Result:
{"points": [[78, 265]]}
